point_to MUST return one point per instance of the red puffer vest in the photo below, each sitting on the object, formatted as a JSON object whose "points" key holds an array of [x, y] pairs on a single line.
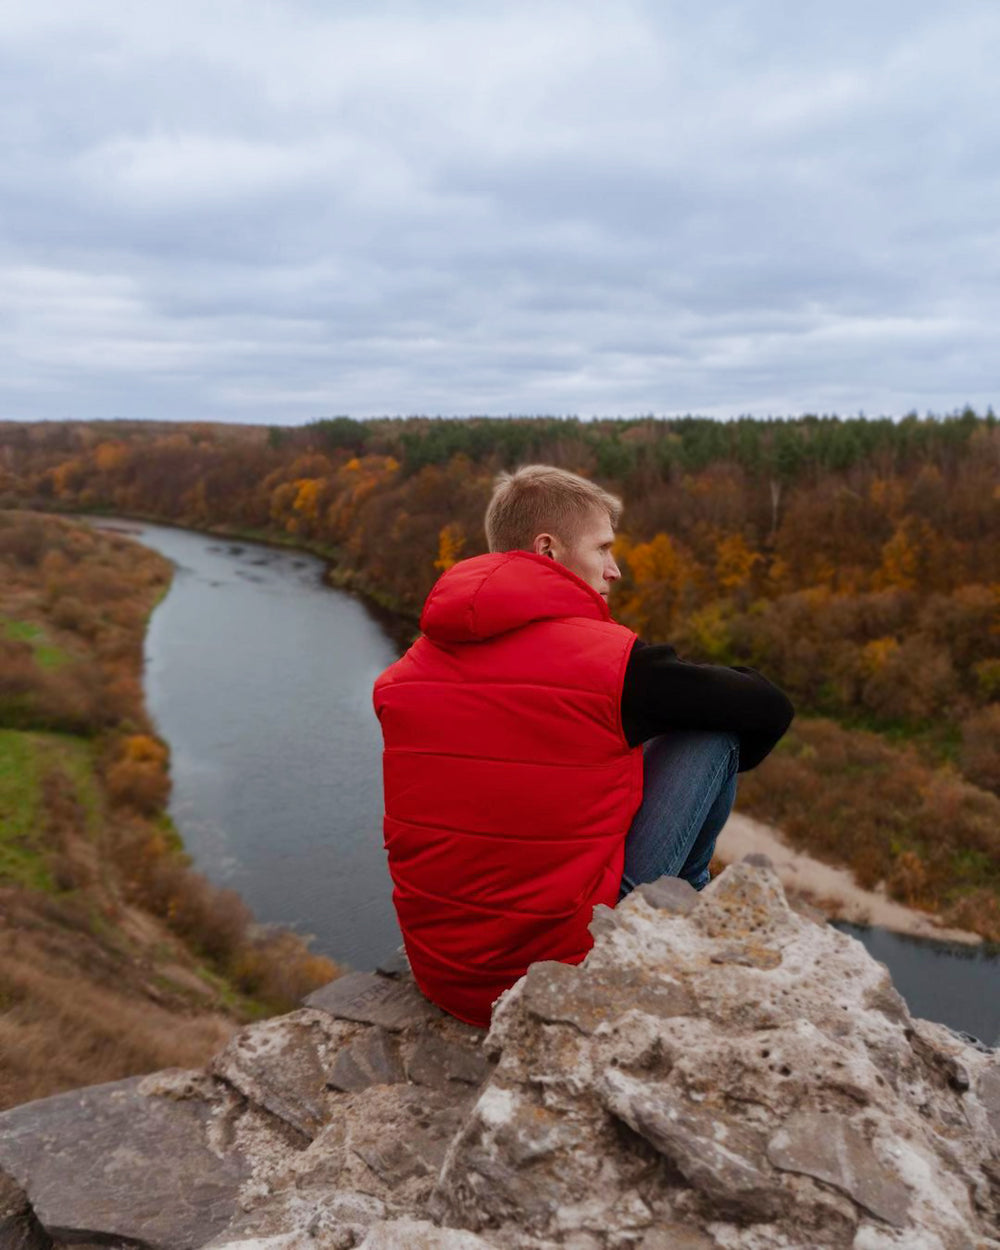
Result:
{"points": [[509, 785]]}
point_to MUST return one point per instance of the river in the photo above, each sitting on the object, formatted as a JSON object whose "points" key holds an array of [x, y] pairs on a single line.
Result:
{"points": [[259, 677]]}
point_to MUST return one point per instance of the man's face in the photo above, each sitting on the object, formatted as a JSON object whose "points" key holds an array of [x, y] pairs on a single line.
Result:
{"points": [[588, 554]]}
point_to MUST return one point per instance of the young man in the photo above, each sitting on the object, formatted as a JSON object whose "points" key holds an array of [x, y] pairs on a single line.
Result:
{"points": [[518, 791]]}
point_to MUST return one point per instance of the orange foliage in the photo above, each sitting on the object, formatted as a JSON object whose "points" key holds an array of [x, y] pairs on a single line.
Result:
{"points": [[142, 786], [661, 572], [451, 540], [144, 749], [110, 456], [734, 561], [907, 556]]}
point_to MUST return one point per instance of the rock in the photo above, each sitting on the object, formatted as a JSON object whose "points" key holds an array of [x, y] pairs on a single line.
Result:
{"points": [[393, 1160], [757, 859], [727, 1077], [744, 901], [718, 1156], [395, 965], [435, 1061], [671, 894], [749, 954], [603, 921], [830, 1148], [373, 999], [884, 997], [559, 992], [280, 1065], [338, 1218], [109, 1162], [771, 1097], [988, 1089], [372, 1059], [19, 1226], [676, 1237], [424, 1123], [407, 1234]]}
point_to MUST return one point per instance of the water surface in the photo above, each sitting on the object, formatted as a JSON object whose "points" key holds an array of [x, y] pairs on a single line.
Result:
{"points": [[952, 982], [259, 677]]}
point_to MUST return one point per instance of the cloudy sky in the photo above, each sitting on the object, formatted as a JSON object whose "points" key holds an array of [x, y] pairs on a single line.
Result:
{"points": [[278, 210]]}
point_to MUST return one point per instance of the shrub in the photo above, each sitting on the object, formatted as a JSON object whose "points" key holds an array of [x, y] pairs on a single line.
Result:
{"points": [[66, 700], [143, 786], [980, 752], [145, 749], [24, 540], [909, 681], [69, 613], [274, 965], [278, 967]]}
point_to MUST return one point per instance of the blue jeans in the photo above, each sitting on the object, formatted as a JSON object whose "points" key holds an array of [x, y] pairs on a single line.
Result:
{"points": [[688, 791]]}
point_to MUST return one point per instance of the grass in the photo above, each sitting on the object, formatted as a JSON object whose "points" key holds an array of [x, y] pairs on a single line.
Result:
{"points": [[25, 760], [21, 631], [46, 653], [244, 1005], [22, 860], [171, 835], [74, 758]]}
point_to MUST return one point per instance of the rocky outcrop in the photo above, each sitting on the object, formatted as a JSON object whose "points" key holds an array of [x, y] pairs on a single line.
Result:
{"points": [[720, 1072]]}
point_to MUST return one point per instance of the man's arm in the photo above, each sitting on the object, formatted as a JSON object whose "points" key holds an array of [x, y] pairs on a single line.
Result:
{"points": [[662, 692]]}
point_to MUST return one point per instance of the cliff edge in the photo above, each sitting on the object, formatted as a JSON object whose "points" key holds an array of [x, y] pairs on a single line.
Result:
{"points": [[721, 1072]]}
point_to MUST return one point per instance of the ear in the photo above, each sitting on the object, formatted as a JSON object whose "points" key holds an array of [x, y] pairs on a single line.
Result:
{"points": [[542, 545]]}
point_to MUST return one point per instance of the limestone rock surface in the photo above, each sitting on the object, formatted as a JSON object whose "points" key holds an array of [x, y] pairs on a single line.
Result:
{"points": [[720, 1072]]}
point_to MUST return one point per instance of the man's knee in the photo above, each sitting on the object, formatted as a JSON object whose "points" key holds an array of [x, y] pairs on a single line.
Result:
{"points": [[693, 750]]}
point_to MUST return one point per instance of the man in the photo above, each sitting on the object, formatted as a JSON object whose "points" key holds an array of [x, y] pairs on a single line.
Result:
{"points": [[518, 792]]}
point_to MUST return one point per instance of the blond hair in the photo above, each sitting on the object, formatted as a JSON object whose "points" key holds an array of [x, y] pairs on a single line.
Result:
{"points": [[540, 498]]}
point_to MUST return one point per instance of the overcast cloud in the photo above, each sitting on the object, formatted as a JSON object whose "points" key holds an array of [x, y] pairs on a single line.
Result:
{"points": [[272, 212]]}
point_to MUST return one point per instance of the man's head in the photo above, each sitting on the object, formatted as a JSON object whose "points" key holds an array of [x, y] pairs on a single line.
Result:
{"points": [[554, 513]]}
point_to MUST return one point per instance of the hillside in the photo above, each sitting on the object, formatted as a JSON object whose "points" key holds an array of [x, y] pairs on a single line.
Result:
{"points": [[115, 957]]}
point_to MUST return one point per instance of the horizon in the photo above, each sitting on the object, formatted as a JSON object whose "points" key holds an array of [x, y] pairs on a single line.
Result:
{"points": [[955, 414]]}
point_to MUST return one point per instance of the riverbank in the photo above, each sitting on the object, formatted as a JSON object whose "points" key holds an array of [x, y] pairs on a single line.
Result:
{"points": [[833, 891], [115, 957]]}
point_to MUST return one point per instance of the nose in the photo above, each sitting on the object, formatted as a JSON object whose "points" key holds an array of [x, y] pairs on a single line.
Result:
{"points": [[611, 570]]}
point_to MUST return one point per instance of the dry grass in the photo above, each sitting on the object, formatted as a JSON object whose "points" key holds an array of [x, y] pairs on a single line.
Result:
{"points": [[73, 1014]]}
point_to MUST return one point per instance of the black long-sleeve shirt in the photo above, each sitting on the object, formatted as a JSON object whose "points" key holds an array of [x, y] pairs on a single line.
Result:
{"points": [[662, 692]]}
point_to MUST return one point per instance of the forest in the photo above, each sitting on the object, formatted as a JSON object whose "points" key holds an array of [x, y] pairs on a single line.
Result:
{"points": [[855, 562]]}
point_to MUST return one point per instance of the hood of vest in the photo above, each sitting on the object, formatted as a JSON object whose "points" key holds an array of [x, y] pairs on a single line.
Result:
{"points": [[488, 595]]}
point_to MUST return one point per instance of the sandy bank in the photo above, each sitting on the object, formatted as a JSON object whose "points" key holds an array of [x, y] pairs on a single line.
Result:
{"points": [[833, 890]]}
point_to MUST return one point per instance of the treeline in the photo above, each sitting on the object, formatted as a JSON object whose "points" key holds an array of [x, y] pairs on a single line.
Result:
{"points": [[117, 957], [855, 561]]}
